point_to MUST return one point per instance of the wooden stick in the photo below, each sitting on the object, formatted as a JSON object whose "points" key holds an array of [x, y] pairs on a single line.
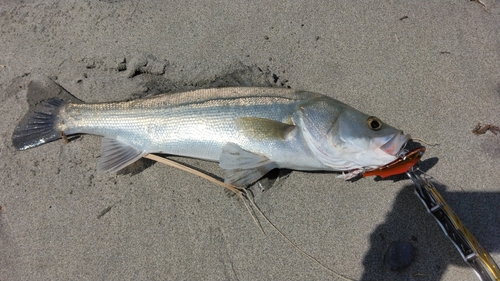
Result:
{"points": [[244, 195], [238, 191]]}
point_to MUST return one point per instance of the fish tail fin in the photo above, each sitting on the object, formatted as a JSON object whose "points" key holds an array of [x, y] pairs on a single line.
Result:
{"points": [[40, 127]]}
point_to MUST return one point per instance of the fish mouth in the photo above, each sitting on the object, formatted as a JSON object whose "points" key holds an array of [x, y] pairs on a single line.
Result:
{"points": [[395, 144]]}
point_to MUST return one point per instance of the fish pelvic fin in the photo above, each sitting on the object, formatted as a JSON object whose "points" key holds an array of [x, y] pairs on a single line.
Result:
{"points": [[117, 155], [40, 127], [242, 167]]}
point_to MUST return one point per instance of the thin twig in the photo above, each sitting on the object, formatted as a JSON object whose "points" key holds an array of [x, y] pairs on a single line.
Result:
{"points": [[231, 187], [244, 194], [174, 164], [2, 209], [292, 243]]}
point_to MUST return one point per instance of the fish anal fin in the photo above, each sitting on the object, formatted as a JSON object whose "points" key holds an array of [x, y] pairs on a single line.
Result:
{"points": [[116, 155], [262, 128]]}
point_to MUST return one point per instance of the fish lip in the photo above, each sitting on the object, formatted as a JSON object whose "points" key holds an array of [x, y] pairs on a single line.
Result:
{"points": [[395, 144]]}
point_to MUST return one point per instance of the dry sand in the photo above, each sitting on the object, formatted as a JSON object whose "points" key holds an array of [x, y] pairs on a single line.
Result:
{"points": [[430, 68]]}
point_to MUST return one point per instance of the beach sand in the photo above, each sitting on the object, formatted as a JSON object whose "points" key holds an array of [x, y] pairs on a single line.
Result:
{"points": [[429, 68]]}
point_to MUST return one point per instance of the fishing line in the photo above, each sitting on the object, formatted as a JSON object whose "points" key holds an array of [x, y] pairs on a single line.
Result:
{"points": [[427, 143]]}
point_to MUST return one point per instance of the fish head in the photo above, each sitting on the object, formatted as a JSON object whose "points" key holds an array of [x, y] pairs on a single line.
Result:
{"points": [[344, 138], [364, 141]]}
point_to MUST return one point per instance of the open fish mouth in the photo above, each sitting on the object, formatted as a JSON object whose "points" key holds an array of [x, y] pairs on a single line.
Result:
{"points": [[395, 144]]}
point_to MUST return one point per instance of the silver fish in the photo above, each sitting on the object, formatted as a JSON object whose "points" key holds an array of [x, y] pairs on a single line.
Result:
{"points": [[248, 130]]}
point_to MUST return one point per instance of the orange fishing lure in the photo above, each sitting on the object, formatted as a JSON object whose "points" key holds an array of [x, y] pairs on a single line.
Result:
{"points": [[398, 166]]}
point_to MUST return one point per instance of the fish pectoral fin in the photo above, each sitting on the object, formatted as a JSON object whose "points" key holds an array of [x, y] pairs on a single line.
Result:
{"points": [[116, 155], [262, 128], [242, 167]]}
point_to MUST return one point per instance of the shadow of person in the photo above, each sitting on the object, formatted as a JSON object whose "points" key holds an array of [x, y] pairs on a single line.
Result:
{"points": [[408, 221]]}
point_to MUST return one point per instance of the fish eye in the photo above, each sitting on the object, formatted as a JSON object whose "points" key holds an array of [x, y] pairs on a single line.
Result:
{"points": [[374, 123]]}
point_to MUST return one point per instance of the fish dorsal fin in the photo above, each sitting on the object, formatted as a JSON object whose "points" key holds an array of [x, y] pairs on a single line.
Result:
{"points": [[116, 155], [262, 128], [242, 167]]}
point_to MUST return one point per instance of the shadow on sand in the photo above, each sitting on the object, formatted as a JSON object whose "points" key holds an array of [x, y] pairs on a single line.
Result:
{"points": [[409, 221]]}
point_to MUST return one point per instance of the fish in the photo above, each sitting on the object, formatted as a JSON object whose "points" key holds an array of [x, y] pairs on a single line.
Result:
{"points": [[249, 131]]}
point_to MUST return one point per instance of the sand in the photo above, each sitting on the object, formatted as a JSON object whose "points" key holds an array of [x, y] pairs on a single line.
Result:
{"points": [[430, 68]]}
